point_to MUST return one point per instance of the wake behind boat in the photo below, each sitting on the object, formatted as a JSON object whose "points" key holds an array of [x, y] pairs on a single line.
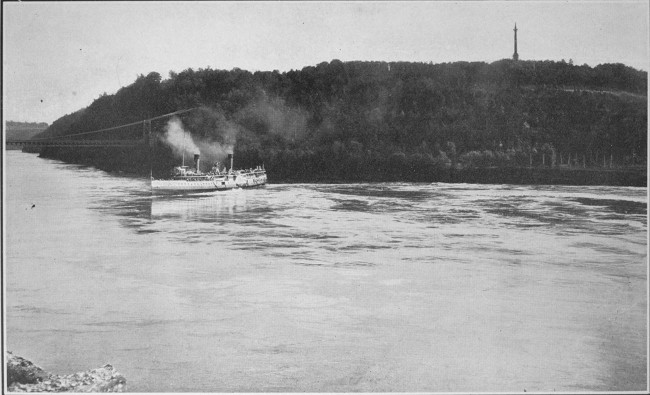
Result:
{"points": [[185, 179]]}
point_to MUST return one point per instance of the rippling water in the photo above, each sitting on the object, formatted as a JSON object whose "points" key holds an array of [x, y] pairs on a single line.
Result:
{"points": [[357, 287]]}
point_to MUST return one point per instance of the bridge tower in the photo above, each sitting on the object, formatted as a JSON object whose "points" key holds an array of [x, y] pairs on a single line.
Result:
{"points": [[146, 132], [148, 141]]}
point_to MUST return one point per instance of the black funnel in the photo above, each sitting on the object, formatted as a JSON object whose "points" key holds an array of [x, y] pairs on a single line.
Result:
{"points": [[196, 162]]}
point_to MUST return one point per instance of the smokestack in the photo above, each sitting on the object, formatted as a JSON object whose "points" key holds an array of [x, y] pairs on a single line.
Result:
{"points": [[230, 158], [196, 162]]}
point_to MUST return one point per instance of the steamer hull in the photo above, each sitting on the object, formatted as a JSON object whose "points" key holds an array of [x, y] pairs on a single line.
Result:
{"points": [[185, 179], [190, 185]]}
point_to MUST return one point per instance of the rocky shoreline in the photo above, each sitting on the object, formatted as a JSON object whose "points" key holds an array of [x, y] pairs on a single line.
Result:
{"points": [[24, 376]]}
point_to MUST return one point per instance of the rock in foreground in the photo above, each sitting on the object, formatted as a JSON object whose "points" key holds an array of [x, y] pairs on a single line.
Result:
{"points": [[24, 376]]}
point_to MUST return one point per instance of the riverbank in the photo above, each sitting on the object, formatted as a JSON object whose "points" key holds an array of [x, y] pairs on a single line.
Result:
{"points": [[494, 175], [626, 177], [24, 376]]}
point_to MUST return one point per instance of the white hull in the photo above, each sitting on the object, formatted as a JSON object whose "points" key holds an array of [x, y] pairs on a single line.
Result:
{"points": [[190, 185], [209, 184]]}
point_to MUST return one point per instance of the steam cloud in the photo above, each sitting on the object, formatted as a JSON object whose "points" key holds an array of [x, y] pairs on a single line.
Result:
{"points": [[214, 137], [217, 136], [178, 139]]}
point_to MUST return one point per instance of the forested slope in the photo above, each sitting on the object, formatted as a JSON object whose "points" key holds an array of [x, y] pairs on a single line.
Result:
{"points": [[352, 121]]}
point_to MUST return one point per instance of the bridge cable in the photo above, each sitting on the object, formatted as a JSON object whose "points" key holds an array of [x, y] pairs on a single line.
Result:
{"points": [[116, 127]]}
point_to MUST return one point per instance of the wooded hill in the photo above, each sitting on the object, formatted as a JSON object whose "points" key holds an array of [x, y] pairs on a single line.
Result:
{"points": [[372, 121]]}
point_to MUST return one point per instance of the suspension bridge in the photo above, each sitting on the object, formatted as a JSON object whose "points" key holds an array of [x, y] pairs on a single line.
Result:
{"points": [[75, 140]]}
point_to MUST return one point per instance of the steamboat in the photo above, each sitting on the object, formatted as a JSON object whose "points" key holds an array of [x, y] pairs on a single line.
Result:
{"points": [[186, 179]]}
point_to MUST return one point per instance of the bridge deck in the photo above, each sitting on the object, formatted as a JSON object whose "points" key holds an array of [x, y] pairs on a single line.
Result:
{"points": [[76, 143]]}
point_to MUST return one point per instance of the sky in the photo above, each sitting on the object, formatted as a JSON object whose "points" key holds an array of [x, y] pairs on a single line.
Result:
{"points": [[60, 56]]}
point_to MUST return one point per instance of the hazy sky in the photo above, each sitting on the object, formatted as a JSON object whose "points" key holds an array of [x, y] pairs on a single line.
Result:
{"points": [[58, 57]]}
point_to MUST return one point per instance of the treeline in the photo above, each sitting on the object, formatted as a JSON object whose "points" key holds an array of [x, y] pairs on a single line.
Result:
{"points": [[386, 121]]}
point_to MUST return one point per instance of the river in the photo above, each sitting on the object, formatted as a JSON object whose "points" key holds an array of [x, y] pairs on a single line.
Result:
{"points": [[326, 288]]}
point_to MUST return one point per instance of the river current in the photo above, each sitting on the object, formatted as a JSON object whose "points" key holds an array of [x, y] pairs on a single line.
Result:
{"points": [[326, 288]]}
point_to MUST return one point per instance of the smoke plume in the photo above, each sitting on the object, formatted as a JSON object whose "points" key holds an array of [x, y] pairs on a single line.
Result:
{"points": [[215, 135], [209, 133], [179, 140], [206, 132]]}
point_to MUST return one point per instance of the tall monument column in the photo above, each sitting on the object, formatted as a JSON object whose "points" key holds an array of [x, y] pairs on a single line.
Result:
{"points": [[515, 56]]}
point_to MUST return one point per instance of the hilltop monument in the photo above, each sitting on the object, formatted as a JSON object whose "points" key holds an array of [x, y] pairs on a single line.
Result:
{"points": [[515, 56]]}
